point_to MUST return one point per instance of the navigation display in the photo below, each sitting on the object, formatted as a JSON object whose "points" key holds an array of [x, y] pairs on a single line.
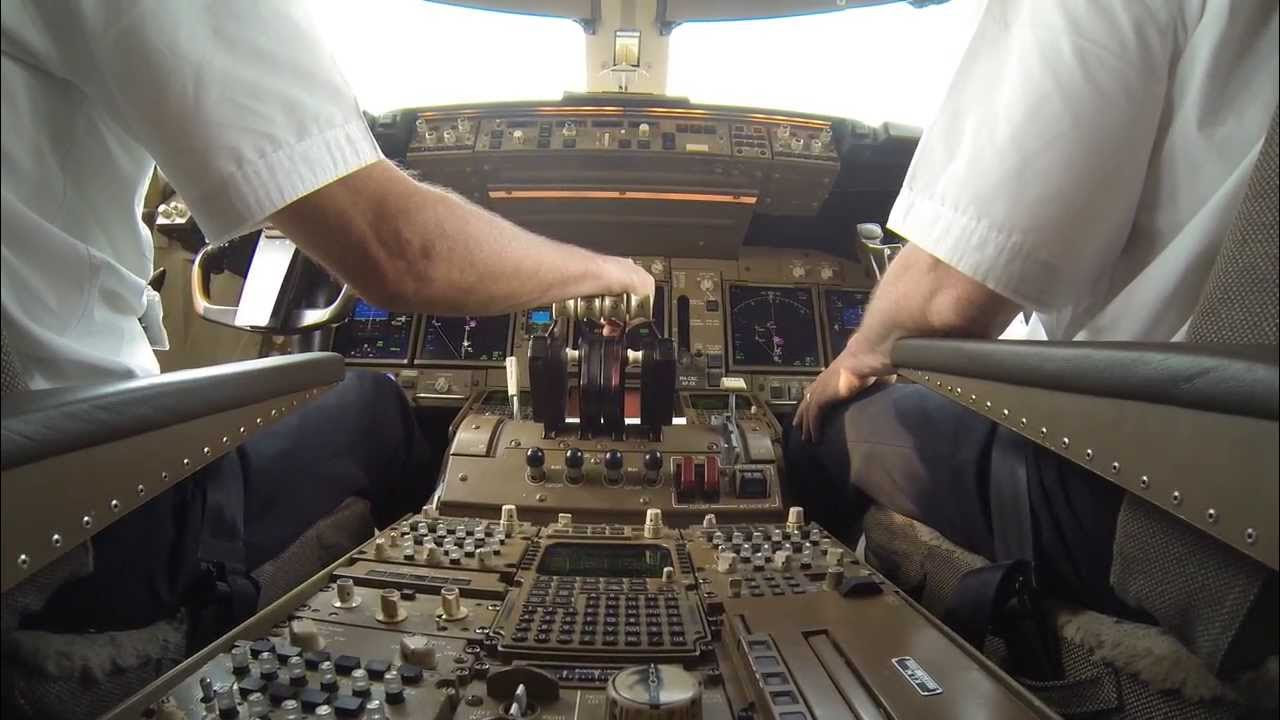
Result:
{"points": [[371, 333], [465, 339], [604, 560], [844, 315], [773, 326]]}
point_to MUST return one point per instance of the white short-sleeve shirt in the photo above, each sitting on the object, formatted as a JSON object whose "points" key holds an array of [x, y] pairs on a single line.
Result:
{"points": [[1089, 157], [239, 102]]}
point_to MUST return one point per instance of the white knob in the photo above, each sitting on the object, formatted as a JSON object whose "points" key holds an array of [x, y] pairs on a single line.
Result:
{"points": [[510, 520], [435, 554], [360, 682], [781, 560], [726, 562], [826, 135], [347, 597], [451, 607], [826, 272], [797, 143], [463, 125], [707, 284], [643, 130], [795, 518], [835, 556], [430, 137], [389, 610], [653, 523], [606, 140], [239, 659], [570, 129], [517, 136], [267, 663], [657, 267], [373, 710], [417, 649], [668, 574], [784, 130], [304, 634], [870, 232], [709, 521], [449, 136], [484, 556], [564, 519], [815, 145], [380, 549], [421, 125], [441, 385], [835, 576], [798, 271]]}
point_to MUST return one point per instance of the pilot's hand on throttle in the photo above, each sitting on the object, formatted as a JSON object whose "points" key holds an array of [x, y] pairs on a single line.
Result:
{"points": [[837, 384], [633, 279]]}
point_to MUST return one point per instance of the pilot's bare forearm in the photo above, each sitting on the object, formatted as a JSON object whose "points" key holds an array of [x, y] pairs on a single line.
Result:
{"points": [[415, 247], [923, 296]]}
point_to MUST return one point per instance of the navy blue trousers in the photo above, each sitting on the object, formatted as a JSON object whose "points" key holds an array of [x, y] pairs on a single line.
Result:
{"points": [[359, 438]]}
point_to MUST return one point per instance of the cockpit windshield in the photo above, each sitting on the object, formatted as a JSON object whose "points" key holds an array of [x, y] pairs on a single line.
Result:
{"points": [[887, 62], [410, 53]]}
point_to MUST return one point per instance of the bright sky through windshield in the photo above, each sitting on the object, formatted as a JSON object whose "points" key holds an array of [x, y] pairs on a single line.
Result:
{"points": [[887, 62], [890, 62], [407, 53]]}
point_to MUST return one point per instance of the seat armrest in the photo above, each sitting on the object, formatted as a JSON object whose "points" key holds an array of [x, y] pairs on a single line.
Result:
{"points": [[1190, 428], [75, 459], [1230, 379]]}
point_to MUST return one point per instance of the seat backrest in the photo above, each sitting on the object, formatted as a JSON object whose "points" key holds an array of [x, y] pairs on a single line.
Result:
{"points": [[1202, 590], [13, 376], [1239, 304]]}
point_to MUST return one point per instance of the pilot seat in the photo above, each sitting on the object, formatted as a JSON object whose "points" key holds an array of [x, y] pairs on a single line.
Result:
{"points": [[1202, 592]]}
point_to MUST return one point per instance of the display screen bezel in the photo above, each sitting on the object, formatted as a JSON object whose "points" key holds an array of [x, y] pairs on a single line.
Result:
{"points": [[828, 337], [577, 547], [777, 369], [408, 356], [435, 362]]}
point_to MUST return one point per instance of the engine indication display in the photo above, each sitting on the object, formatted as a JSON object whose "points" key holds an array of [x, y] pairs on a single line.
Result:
{"points": [[605, 560], [465, 339], [773, 326], [844, 315], [371, 333]]}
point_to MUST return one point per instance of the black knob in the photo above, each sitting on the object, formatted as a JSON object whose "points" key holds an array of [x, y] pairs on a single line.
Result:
{"points": [[535, 457], [573, 458], [653, 460], [613, 460]]}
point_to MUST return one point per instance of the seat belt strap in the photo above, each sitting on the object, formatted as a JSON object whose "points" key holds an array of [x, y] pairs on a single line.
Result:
{"points": [[1010, 500]]}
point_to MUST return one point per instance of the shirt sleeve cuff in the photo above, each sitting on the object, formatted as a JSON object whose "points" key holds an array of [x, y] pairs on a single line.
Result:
{"points": [[243, 201], [997, 258]]}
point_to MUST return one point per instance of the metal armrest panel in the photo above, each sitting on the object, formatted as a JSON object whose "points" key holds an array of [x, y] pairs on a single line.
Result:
{"points": [[42, 423], [77, 459], [1230, 379], [1192, 429]]}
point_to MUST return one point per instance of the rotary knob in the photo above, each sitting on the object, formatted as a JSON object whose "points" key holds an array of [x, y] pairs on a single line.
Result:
{"points": [[573, 460], [517, 136], [707, 284], [654, 692], [657, 267], [643, 130], [798, 271], [826, 272]]}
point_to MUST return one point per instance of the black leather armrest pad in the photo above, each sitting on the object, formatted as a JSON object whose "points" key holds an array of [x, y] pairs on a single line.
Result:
{"points": [[43, 423], [1230, 379]]}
